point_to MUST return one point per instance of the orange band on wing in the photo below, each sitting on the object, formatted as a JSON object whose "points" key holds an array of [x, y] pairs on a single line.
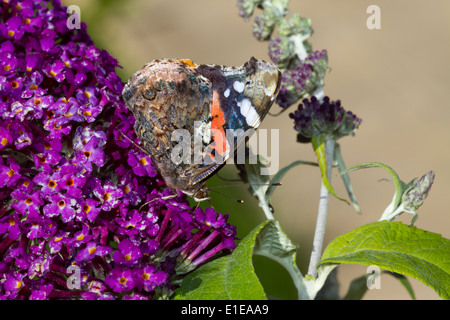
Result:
{"points": [[188, 62], [218, 120]]}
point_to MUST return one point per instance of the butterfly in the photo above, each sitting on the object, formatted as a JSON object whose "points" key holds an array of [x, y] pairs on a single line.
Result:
{"points": [[192, 118]]}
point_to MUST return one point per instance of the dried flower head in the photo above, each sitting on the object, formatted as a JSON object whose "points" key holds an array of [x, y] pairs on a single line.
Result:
{"points": [[328, 118]]}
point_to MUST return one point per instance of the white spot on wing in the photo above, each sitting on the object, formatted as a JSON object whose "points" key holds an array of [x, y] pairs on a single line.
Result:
{"points": [[238, 86], [226, 93], [249, 112]]}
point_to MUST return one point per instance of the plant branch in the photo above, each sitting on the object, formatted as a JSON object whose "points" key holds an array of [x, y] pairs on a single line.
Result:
{"points": [[265, 206], [322, 212]]}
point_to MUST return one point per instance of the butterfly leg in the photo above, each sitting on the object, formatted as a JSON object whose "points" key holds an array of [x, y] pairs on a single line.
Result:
{"points": [[132, 142], [162, 198]]}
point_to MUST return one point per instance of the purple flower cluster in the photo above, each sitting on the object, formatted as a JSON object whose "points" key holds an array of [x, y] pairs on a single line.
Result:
{"points": [[302, 79], [326, 117], [73, 223]]}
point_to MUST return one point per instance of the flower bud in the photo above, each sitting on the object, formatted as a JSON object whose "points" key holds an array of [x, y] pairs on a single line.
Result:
{"points": [[273, 13], [417, 191], [246, 7], [295, 25], [302, 80], [281, 51]]}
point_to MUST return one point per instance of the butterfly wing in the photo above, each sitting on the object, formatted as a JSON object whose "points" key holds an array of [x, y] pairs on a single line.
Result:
{"points": [[243, 97], [173, 100]]}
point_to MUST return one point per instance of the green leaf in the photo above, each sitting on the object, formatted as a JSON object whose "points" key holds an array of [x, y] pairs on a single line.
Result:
{"points": [[358, 287], [399, 185], [273, 243], [405, 282], [228, 278], [395, 247], [345, 177], [233, 277], [314, 285], [258, 182], [318, 143]]}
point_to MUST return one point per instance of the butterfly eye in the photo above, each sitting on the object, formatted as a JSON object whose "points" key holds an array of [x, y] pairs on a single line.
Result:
{"points": [[248, 82], [149, 94]]}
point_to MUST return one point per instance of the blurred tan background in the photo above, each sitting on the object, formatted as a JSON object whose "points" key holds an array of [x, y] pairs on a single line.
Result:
{"points": [[396, 79]]}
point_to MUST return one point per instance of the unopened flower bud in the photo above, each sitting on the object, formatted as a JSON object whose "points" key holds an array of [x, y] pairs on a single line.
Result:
{"points": [[247, 7], [417, 191], [281, 51], [302, 80], [295, 25]]}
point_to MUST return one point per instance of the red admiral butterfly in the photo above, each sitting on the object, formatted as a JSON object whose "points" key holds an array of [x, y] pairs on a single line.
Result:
{"points": [[171, 97]]}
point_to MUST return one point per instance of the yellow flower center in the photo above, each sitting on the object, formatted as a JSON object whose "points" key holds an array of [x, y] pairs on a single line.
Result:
{"points": [[14, 84], [106, 196], [86, 208]]}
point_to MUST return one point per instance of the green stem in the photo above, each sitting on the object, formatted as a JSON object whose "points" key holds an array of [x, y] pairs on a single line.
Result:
{"points": [[322, 212]]}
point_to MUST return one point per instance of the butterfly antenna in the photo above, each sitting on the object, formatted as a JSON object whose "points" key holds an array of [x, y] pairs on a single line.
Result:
{"points": [[246, 184], [134, 143], [227, 196]]}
